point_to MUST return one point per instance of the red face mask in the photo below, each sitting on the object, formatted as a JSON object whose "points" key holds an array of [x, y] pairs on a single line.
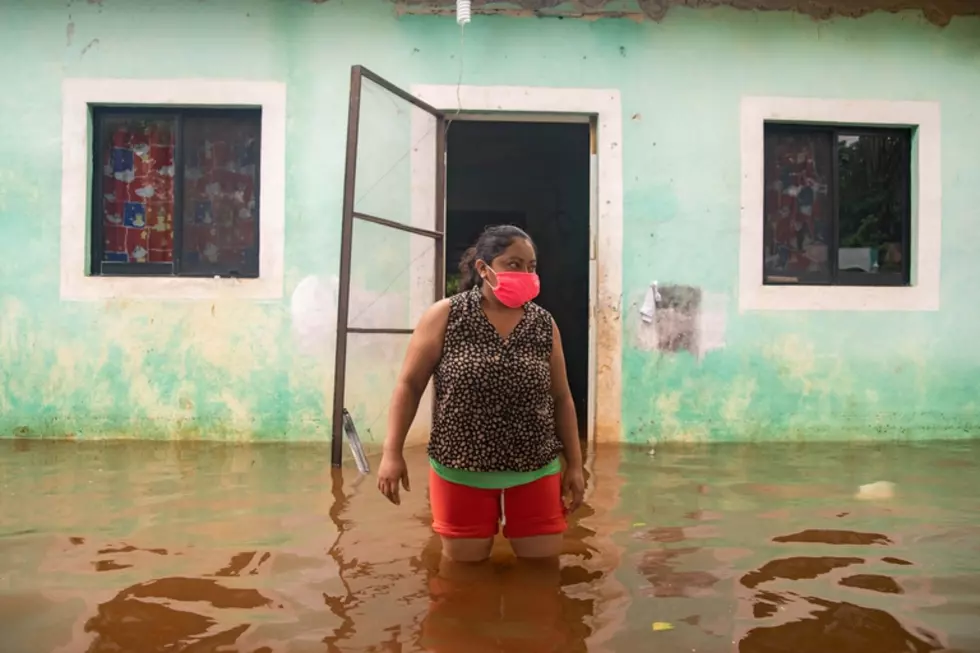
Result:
{"points": [[514, 289]]}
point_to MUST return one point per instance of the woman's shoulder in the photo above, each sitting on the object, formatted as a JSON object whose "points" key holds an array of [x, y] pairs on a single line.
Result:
{"points": [[538, 314], [464, 300], [460, 297], [442, 307], [452, 308], [447, 305], [436, 316]]}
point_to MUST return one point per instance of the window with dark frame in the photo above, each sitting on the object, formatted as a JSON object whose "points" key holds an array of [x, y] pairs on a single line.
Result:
{"points": [[175, 192], [837, 205]]}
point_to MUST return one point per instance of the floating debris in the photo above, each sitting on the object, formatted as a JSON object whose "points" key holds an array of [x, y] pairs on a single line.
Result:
{"points": [[876, 491]]}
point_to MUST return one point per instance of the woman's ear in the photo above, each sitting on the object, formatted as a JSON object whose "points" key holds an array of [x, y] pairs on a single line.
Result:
{"points": [[485, 273]]}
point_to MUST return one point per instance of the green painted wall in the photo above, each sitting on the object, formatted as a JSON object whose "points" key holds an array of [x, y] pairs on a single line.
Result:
{"points": [[231, 369]]}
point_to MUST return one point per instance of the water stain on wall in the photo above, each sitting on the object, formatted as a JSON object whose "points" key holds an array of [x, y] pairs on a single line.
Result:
{"points": [[151, 370]]}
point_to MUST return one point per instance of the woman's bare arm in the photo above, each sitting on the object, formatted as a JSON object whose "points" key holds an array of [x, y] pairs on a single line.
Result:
{"points": [[424, 351], [565, 421]]}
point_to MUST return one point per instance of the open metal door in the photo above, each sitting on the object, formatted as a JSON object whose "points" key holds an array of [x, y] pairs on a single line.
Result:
{"points": [[392, 249]]}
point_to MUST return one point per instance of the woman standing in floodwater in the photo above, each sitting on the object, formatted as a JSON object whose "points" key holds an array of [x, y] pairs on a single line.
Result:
{"points": [[503, 413]]}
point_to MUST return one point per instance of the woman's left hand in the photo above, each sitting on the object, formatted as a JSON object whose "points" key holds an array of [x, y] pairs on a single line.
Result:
{"points": [[573, 487]]}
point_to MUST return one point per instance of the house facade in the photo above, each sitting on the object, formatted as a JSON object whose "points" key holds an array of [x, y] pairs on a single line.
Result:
{"points": [[781, 218]]}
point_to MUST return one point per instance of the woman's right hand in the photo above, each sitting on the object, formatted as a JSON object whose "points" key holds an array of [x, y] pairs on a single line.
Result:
{"points": [[392, 472]]}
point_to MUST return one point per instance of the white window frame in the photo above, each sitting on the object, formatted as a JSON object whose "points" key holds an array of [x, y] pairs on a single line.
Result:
{"points": [[78, 96], [923, 294]]}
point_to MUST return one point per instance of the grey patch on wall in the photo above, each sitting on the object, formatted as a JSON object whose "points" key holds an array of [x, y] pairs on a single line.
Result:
{"points": [[686, 319], [677, 319]]}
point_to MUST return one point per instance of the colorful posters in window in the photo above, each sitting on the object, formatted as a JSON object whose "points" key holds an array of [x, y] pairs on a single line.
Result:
{"points": [[138, 191], [799, 211], [220, 192]]}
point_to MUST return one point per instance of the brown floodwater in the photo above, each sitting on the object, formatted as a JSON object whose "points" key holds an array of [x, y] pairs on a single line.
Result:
{"points": [[149, 547]]}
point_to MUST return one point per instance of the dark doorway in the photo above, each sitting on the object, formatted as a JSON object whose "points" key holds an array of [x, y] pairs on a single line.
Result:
{"points": [[536, 176]]}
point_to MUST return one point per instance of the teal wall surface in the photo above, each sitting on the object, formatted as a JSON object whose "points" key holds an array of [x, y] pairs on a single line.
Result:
{"points": [[231, 369]]}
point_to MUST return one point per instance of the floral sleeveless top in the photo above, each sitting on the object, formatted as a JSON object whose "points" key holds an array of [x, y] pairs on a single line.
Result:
{"points": [[494, 411]]}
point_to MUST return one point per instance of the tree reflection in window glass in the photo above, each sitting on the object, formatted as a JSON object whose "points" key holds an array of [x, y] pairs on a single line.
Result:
{"points": [[873, 187]]}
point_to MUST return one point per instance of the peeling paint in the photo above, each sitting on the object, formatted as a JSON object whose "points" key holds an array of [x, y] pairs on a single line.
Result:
{"points": [[938, 12], [138, 342], [736, 404], [794, 359]]}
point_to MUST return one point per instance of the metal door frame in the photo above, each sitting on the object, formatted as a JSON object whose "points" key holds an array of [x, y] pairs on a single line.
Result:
{"points": [[358, 73]]}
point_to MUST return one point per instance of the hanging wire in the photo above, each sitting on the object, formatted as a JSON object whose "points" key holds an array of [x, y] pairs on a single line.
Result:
{"points": [[458, 112], [459, 80]]}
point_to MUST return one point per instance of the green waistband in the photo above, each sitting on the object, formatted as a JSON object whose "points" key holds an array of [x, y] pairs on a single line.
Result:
{"points": [[494, 480]]}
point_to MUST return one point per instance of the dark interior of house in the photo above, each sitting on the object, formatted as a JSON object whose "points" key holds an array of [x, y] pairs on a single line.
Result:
{"points": [[535, 176]]}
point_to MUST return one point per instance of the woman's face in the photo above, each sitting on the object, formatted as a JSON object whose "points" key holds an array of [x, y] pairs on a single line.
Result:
{"points": [[518, 257]]}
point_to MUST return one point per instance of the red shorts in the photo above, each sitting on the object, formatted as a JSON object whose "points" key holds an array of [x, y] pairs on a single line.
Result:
{"points": [[460, 511]]}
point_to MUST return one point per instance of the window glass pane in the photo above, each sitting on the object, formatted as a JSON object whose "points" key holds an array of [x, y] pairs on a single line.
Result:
{"points": [[798, 206], [395, 164], [137, 161], [221, 193], [873, 186]]}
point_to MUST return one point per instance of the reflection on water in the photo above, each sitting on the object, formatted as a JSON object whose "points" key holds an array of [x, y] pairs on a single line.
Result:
{"points": [[164, 547]]}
